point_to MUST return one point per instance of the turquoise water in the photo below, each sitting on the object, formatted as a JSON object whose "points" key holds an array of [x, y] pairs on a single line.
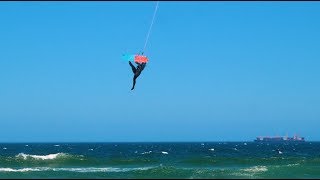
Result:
{"points": [[160, 160]]}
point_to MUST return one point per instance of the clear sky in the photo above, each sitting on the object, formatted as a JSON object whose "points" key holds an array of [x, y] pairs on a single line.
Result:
{"points": [[217, 71]]}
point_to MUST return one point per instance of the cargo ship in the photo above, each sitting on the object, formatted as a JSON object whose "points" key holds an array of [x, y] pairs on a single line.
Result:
{"points": [[295, 138]]}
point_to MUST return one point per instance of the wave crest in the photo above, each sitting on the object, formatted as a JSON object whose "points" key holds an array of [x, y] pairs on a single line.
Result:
{"points": [[41, 157], [256, 169], [84, 170]]}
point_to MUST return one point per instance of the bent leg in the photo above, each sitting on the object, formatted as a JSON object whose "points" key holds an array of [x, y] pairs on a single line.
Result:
{"points": [[132, 67]]}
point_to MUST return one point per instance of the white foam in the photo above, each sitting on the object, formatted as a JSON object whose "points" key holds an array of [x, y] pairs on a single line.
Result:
{"points": [[163, 152], [42, 157], [83, 170], [90, 149], [256, 169], [280, 152], [296, 164], [18, 170], [56, 145], [147, 152], [212, 149], [4, 148]]}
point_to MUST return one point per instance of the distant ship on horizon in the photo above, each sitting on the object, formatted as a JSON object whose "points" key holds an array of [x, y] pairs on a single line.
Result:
{"points": [[295, 138]]}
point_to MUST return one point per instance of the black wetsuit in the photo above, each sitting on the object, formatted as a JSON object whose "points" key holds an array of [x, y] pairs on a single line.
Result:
{"points": [[136, 71]]}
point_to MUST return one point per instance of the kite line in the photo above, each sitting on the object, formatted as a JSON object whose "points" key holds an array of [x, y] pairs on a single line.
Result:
{"points": [[147, 38]]}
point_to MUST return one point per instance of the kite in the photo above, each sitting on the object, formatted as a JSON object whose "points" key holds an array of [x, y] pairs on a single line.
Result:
{"points": [[140, 59]]}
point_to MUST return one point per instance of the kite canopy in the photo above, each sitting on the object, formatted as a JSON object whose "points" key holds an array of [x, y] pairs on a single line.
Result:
{"points": [[140, 59], [128, 57], [135, 58]]}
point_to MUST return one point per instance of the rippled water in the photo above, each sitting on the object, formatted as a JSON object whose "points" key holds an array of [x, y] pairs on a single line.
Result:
{"points": [[160, 160]]}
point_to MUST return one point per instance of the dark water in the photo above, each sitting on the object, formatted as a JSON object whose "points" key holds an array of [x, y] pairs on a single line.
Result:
{"points": [[160, 160]]}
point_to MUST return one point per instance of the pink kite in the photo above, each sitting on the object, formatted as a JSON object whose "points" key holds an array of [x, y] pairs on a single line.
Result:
{"points": [[140, 59]]}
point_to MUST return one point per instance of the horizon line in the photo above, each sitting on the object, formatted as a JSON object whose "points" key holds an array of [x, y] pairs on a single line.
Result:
{"points": [[146, 142]]}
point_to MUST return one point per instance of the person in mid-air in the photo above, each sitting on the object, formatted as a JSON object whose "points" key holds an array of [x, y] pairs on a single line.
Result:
{"points": [[136, 71]]}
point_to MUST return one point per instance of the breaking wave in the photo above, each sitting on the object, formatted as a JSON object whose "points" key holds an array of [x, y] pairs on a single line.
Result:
{"points": [[84, 170], [42, 157], [256, 169]]}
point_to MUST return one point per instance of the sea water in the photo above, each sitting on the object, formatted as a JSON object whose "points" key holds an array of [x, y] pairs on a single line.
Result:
{"points": [[160, 160]]}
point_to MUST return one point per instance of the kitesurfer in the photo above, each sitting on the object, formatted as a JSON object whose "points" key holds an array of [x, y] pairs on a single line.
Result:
{"points": [[137, 71]]}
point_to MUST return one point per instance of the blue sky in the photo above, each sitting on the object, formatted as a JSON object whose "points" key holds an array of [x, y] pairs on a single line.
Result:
{"points": [[217, 71]]}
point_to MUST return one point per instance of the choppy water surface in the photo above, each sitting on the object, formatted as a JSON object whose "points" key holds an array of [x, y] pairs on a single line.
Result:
{"points": [[160, 160]]}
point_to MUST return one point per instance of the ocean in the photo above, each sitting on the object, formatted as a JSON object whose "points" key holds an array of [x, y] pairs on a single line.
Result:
{"points": [[160, 160]]}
